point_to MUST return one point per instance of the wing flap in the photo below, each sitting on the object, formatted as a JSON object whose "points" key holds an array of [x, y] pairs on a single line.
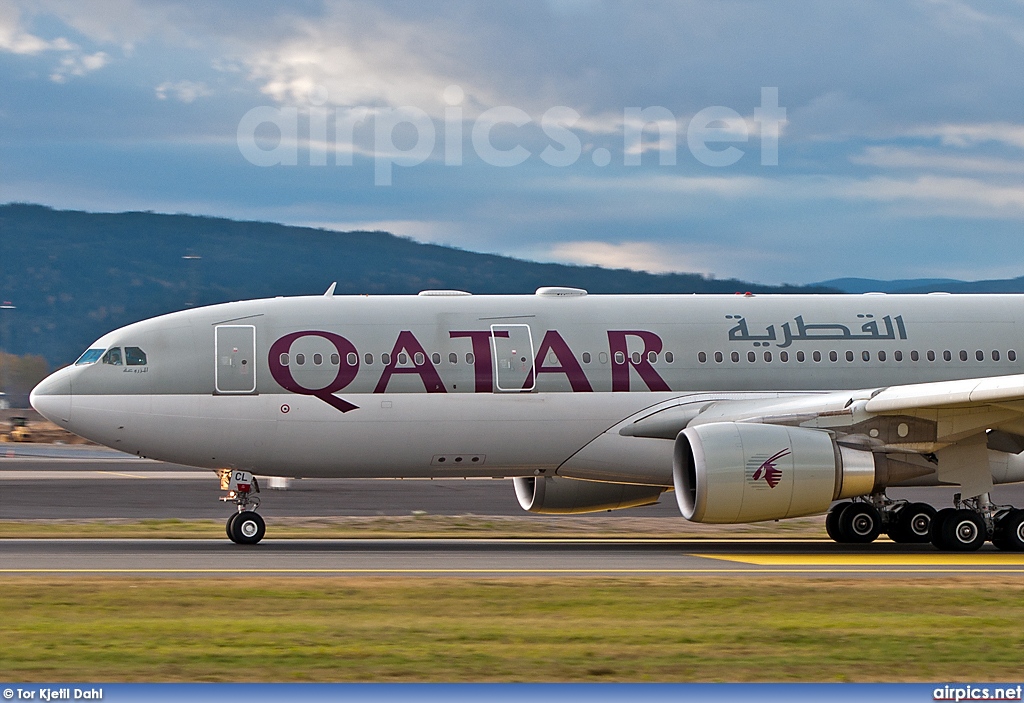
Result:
{"points": [[975, 391]]}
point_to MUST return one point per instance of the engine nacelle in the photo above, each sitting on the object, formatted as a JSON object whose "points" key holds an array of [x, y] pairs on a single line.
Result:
{"points": [[553, 495], [727, 472]]}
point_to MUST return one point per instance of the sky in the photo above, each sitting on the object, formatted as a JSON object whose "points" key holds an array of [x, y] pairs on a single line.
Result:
{"points": [[770, 141]]}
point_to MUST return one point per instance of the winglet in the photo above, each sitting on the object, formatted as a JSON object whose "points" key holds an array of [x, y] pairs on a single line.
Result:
{"points": [[330, 291]]}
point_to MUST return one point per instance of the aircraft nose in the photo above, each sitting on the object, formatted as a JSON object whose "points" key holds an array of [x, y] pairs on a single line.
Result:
{"points": [[52, 397]]}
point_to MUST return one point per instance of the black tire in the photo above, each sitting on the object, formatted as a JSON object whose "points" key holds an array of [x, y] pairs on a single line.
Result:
{"points": [[860, 523], [935, 532], [832, 522], [248, 528], [913, 524], [229, 527], [964, 531], [1010, 532]]}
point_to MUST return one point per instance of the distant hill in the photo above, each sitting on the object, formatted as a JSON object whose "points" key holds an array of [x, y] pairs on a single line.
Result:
{"points": [[925, 285], [74, 275]]}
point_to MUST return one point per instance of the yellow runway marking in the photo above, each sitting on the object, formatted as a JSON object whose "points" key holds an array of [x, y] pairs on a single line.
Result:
{"points": [[871, 559], [115, 473], [509, 572]]}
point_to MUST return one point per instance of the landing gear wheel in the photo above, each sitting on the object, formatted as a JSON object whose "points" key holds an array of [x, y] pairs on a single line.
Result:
{"points": [[1009, 534], [935, 531], [913, 524], [247, 527], [229, 528], [860, 523], [963, 531], [832, 521]]}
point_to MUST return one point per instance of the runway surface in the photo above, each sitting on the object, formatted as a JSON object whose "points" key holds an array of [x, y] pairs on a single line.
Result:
{"points": [[493, 558]]}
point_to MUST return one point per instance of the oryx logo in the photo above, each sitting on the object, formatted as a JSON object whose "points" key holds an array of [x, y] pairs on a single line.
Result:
{"points": [[767, 469]]}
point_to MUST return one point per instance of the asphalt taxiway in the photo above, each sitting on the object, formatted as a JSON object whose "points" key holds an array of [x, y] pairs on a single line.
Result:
{"points": [[492, 558]]}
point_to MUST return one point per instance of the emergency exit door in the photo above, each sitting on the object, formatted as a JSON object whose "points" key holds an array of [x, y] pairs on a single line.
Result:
{"points": [[235, 370], [512, 346]]}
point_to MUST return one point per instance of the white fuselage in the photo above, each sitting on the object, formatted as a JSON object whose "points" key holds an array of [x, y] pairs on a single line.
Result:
{"points": [[415, 386]]}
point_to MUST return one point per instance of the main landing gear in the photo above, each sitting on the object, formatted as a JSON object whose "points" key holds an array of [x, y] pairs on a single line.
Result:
{"points": [[964, 528], [974, 521], [246, 526], [862, 520]]}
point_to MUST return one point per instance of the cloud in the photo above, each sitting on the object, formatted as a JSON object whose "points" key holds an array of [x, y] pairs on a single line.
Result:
{"points": [[966, 135], [892, 157], [78, 65], [185, 91], [16, 40], [636, 255]]}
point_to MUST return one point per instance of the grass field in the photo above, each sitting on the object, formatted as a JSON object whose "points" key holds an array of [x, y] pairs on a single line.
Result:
{"points": [[582, 629]]}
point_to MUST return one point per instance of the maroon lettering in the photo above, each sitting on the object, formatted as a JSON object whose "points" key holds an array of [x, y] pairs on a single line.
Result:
{"points": [[408, 344], [346, 373], [567, 363], [617, 344], [483, 367]]}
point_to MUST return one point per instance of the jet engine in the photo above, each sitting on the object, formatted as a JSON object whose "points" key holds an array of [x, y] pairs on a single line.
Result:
{"points": [[549, 494], [727, 472]]}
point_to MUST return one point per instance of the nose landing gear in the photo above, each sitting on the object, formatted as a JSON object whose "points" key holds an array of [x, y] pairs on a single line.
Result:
{"points": [[246, 526]]}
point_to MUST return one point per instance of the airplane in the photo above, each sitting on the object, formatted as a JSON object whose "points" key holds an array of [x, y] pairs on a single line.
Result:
{"points": [[747, 407]]}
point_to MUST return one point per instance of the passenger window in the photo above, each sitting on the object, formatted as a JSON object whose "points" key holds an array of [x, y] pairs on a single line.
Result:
{"points": [[283, 359], [351, 359], [91, 356], [767, 356], [470, 358], [418, 359], [335, 359], [403, 358], [385, 358], [436, 358], [368, 358], [816, 356], [897, 355], [849, 356], [300, 359], [602, 357], [963, 355], [979, 355], [113, 356], [620, 358], [318, 359], [931, 355], [751, 357], [800, 356], [881, 355], [652, 357], [914, 356], [586, 357], [718, 357], [735, 356], [995, 355], [669, 357], [635, 356], [865, 355], [833, 356], [1011, 355], [947, 356], [783, 356], [453, 358], [702, 357]]}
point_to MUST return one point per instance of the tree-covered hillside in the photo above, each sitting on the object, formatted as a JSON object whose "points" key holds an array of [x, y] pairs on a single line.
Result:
{"points": [[75, 275]]}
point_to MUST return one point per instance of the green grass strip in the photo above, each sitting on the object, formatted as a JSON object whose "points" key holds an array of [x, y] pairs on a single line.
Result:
{"points": [[573, 629]]}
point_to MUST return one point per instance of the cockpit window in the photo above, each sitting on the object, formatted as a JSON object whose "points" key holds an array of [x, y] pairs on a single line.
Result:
{"points": [[91, 356], [133, 356], [113, 356]]}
